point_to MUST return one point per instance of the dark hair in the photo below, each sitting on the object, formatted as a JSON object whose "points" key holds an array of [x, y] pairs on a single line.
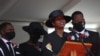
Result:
{"points": [[76, 13], [3, 25]]}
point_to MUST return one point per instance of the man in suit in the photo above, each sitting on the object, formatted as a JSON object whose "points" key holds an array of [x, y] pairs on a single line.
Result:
{"points": [[78, 23], [7, 48]]}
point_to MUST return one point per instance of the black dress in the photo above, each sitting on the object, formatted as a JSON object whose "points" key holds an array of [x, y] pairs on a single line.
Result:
{"points": [[56, 42], [29, 50]]}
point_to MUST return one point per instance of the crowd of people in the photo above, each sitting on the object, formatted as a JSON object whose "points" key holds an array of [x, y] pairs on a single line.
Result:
{"points": [[53, 42]]}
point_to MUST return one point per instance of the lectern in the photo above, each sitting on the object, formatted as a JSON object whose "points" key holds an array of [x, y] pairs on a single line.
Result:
{"points": [[74, 49]]}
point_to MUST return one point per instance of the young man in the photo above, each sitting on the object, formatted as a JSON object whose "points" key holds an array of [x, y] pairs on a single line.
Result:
{"points": [[6, 46], [53, 42], [78, 23]]}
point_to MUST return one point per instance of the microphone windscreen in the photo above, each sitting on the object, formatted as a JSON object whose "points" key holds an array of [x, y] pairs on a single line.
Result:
{"points": [[70, 28]]}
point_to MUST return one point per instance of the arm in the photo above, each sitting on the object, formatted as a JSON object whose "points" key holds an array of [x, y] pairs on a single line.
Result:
{"points": [[46, 51]]}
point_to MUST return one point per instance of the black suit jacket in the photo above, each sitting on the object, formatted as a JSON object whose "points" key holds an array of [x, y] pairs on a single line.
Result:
{"points": [[93, 38], [6, 51]]}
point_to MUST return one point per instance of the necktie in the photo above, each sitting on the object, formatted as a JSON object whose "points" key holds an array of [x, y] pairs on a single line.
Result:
{"points": [[10, 49]]}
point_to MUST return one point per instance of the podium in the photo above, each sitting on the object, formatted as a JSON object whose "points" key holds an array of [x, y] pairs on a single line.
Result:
{"points": [[74, 49]]}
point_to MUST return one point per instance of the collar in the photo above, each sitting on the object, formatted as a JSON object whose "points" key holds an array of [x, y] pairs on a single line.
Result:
{"points": [[84, 32], [5, 41]]}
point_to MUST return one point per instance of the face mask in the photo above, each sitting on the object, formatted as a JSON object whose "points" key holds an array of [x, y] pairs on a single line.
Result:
{"points": [[35, 38], [79, 26], [10, 35]]}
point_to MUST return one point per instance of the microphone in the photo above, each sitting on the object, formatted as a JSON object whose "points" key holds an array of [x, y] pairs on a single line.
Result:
{"points": [[89, 52], [72, 30], [81, 36]]}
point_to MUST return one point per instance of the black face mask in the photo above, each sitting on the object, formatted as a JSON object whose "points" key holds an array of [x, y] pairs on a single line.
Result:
{"points": [[35, 38], [79, 26], [10, 35]]}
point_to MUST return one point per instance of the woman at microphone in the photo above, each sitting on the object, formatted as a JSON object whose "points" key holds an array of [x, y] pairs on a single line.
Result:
{"points": [[53, 42]]}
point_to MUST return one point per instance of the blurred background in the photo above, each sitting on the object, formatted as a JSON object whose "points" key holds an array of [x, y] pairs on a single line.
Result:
{"points": [[22, 12]]}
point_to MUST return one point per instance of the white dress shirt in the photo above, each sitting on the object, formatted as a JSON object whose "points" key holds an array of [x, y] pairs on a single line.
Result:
{"points": [[82, 32], [5, 41]]}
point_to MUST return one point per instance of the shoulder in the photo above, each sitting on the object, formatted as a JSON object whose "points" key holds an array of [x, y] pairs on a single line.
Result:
{"points": [[1, 42], [93, 32], [23, 44], [50, 34], [66, 32], [49, 37]]}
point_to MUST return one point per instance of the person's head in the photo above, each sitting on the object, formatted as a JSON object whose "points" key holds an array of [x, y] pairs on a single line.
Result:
{"points": [[35, 29], [78, 20], [7, 31], [57, 19]]}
